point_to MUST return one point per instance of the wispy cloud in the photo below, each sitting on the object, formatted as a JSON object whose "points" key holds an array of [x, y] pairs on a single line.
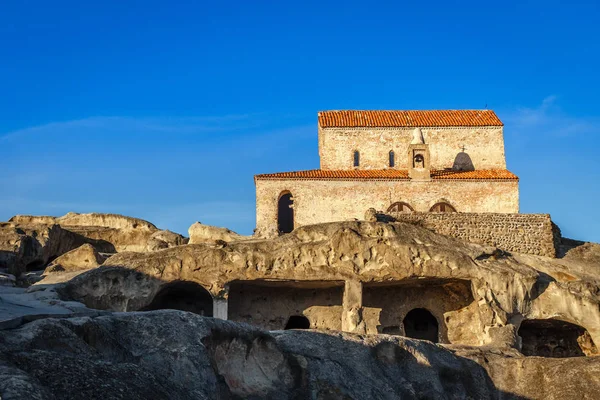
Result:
{"points": [[547, 120], [174, 125], [171, 171]]}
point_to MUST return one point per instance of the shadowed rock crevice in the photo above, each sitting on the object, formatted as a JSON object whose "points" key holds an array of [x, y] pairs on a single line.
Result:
{"points": [[184, 296], [555, 338]]}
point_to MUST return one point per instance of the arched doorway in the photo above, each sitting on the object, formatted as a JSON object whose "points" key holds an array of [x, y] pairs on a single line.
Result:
{"points": [[184, 296], [285, 213], [442, 207], [555, 338], [297, 322], [421, 324], [400, 206]]}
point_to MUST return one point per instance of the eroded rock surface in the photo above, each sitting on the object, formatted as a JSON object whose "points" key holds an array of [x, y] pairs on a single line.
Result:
{"points": [[28, 247], [200, 233], [178, 355], [82, 258], [165, 239], [31, 242], [478, 295]]}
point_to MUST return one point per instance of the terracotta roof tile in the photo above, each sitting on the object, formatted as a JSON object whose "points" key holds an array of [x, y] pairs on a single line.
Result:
{"points": [[477, 174], [414, 118], [388, 174]]}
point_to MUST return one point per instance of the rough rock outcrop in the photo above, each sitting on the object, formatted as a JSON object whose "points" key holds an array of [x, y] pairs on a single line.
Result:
{"points": [[31, 242], [92, 219], [82, 258], [27, 247], [20, 305], [200, 233], [165, 240], [493, 292], [178, 355]]}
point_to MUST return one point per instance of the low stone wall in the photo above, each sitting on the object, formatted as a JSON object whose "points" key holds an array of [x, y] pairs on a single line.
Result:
{"points": [[519, 233]]}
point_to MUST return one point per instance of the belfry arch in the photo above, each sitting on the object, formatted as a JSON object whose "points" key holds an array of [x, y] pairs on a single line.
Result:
{"points": [[285, 212]]}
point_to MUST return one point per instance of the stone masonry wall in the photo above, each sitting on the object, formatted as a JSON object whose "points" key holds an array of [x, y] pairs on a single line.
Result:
{"points": [[317, 201], [484, 146], [520, 233]]}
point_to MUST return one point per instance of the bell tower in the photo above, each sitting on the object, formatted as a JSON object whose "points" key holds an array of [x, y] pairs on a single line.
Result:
{"points": [[419, 167]]}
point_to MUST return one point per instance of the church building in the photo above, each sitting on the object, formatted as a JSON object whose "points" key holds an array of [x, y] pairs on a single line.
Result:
{"points": [[395, 161]]}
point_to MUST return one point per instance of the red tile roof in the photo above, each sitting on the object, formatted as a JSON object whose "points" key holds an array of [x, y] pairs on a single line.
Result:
{"points": [[415, 118], [387, 174]]}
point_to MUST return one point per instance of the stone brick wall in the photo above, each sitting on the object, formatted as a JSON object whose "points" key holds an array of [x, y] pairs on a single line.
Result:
{"points": [[317, 201], [520, 233], [484, 146]]}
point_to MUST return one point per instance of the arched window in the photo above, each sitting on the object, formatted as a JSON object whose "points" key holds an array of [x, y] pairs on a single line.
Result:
{"points": [[400, 206], [285, 213], [297, 322], [421, 324], [356, 158], [392, 160], [442, 207]]}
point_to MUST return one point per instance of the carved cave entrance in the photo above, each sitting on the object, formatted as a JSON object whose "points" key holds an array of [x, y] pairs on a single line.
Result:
{"points": [[555, 338], [276, 305], [285, 213], [297, 322], [421, 324], [184, 296], [429, 308]]}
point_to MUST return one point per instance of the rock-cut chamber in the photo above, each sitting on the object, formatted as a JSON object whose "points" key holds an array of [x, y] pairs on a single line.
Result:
{"points": [[276, 305], [555, 338], [184, 296]]}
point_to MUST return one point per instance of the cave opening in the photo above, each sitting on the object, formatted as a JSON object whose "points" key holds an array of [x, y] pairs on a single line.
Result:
{"points": [[419, 323], [297, 322], [184, 296], [276, 305], [554, 338]]}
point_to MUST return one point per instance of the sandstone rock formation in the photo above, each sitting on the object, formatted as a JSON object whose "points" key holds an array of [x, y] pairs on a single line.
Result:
{"points": [[200, 233], [178, 355], [82, 258], [24, 247], [92, 219], [361, 286], [164, 240], [477, 294], [31, 242]]}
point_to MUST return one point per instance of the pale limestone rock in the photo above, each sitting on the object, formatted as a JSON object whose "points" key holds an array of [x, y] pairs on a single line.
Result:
{"points": [[200, 233], [30, 247], [164, 240], [501, 291], [105, 220], [82, 258], [371, 215]]}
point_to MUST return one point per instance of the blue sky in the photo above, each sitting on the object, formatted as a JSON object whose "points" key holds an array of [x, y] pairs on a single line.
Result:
{"points": [[166, 110]]}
